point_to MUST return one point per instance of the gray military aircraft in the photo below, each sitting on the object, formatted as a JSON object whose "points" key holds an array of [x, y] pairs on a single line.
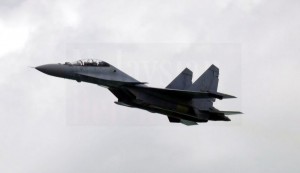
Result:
{"points": [[182, 101]]}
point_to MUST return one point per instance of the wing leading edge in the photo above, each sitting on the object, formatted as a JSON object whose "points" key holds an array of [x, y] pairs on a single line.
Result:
{"points": [[183, 93]]}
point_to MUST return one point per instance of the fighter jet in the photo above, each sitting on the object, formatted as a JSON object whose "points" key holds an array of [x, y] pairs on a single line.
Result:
{"points": [[181, 101]]}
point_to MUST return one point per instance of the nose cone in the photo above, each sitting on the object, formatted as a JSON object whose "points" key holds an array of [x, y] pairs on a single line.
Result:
{"points": [[57, 70]]}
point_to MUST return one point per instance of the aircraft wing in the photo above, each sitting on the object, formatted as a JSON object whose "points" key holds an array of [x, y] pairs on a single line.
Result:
{"points": [[183, 93], [161, 91]]}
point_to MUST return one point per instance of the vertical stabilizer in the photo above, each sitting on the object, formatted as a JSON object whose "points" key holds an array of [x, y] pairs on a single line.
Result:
{"points": [[208, 81], [182, 81]]}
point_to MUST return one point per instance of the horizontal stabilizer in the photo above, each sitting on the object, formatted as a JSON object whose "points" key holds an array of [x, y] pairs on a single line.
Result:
{"points": [[225, 112], [231, 112], [221, 95]]}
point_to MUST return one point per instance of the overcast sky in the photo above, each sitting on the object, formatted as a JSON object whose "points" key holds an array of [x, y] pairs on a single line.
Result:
{"points": [[51, 125]]}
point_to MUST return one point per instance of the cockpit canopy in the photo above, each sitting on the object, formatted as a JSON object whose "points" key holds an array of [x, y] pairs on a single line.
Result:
{"points": [[89, 62]]}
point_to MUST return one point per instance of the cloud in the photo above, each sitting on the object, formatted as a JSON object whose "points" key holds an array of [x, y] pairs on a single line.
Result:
{"points": [[46, 124]]}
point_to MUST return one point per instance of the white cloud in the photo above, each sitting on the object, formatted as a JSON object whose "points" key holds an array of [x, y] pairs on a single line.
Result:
{"points": [[39, 133], [13, 38]]}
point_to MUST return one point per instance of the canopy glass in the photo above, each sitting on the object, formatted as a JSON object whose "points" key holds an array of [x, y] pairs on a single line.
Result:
{"points": [[89, 62]]}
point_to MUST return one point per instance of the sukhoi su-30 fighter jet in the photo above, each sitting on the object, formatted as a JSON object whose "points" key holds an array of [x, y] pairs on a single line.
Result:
{"points": [[181, 101]]}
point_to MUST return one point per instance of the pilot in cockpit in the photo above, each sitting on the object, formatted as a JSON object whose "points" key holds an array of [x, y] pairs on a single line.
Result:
{"points": [[89, 62]]}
